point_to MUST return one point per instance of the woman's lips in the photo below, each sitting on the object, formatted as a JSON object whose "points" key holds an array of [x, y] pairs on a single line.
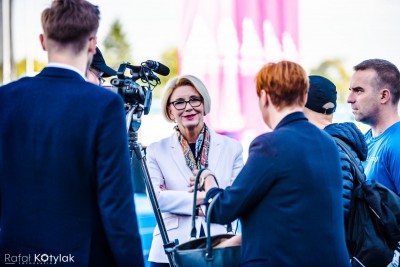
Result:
{"points": [[189, 117]]}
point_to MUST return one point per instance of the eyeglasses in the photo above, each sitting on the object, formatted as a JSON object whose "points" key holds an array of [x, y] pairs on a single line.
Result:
{"points": [[181, 104], [99, 75]]}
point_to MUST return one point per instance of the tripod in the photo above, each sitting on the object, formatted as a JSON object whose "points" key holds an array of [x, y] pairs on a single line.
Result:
{"points": [[134, 113]]}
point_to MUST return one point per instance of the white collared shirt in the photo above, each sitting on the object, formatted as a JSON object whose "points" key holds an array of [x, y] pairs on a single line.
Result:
{"points": [[66, 66]]}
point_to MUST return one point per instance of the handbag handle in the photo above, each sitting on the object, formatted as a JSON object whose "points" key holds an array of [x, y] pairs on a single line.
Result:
{"points": [[193, 232], [209, 249]]}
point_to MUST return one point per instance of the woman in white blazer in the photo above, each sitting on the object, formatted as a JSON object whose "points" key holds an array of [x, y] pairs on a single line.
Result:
{"points": [[173, 162]]}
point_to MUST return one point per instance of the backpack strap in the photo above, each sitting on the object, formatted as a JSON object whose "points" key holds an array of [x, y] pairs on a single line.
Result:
{"points": [[346, 149]]}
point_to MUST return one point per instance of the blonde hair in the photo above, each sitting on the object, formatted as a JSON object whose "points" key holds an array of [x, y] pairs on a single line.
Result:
{"points": [[182, 80]]}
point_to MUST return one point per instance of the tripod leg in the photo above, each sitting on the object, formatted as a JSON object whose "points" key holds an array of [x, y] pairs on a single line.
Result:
{"points": [[168, 246]]}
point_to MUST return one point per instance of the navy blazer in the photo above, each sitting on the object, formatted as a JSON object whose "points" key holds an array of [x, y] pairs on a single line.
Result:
{"points": [[66, 187], [289, 199]]}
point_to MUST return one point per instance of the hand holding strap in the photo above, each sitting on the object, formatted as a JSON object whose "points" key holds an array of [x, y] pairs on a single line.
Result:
{"points": [[196, 182]]}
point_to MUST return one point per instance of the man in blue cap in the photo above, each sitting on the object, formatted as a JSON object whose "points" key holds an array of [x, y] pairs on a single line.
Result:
{"points": [[99, 70]]}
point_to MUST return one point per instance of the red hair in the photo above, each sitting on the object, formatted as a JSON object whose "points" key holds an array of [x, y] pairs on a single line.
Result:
{"points": [[286, 83]]}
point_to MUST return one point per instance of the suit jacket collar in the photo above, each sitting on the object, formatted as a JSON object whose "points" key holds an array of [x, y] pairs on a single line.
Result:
{"points": [[292, 117], [63, 73]]}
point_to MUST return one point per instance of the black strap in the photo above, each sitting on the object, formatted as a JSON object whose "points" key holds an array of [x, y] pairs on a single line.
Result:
{"points": [[193, 232], [209, 249], [344, 146], [197, 157]]}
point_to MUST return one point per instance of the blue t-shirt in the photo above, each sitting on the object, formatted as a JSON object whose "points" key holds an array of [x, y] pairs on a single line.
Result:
{"points": [[383, 161]]}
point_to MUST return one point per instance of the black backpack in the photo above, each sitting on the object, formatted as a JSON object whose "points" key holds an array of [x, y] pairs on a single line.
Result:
{"points": [[373, 228]]}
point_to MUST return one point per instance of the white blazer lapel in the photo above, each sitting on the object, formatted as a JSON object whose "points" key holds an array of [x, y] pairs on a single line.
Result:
{"points": [[215, 150], [177, 156]]}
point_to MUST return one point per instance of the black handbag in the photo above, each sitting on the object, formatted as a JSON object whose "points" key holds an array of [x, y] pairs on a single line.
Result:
{"points": [[200, 252]]}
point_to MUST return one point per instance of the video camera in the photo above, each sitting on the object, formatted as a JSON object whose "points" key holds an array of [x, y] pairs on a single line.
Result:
{"points": [[137, 100], [133, 93]]}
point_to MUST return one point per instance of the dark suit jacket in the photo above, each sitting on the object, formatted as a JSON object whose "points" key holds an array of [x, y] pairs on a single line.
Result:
{"points": [[289, 199], [66, 185]]}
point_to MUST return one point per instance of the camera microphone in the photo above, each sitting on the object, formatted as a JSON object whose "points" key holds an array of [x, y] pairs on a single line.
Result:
{"points": [[157, 67], [134, 93]]}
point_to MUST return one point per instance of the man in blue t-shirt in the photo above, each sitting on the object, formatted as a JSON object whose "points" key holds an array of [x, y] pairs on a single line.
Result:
{"points": [[374, 97]]}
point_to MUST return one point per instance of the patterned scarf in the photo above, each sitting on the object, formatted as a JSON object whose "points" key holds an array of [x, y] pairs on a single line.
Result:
{"points": [[200, 159]]}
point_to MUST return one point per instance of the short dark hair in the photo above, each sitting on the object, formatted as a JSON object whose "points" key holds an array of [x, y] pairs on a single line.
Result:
{"points": [[71, 22], [388, 75]]}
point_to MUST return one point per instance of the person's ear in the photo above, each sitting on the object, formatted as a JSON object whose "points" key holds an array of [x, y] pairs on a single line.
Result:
{"points": [[264, 98], [92, 45], [42, 41], [306, 98], [170, 115], [385, 95]]}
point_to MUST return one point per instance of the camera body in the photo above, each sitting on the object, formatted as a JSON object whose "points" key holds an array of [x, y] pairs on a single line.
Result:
{"points": [[131, 92]]}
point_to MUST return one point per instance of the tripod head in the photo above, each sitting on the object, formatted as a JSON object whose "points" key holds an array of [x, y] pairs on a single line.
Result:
{"points": [[133, 117]]}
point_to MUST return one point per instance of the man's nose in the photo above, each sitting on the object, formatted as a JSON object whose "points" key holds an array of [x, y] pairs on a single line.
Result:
{"points": [[350, 98]]}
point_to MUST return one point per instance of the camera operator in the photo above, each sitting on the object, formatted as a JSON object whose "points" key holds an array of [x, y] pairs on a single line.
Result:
{"points": [[99, 70]]}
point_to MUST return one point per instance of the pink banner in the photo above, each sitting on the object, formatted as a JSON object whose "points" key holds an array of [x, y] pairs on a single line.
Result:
{"points": [[225, 43]]}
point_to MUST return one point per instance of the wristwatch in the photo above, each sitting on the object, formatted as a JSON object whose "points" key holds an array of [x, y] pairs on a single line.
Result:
{"points": [[203, 180]]}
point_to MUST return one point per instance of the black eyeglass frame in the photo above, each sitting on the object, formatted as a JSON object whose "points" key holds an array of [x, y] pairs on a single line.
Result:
{"points": [[174, 103]]}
